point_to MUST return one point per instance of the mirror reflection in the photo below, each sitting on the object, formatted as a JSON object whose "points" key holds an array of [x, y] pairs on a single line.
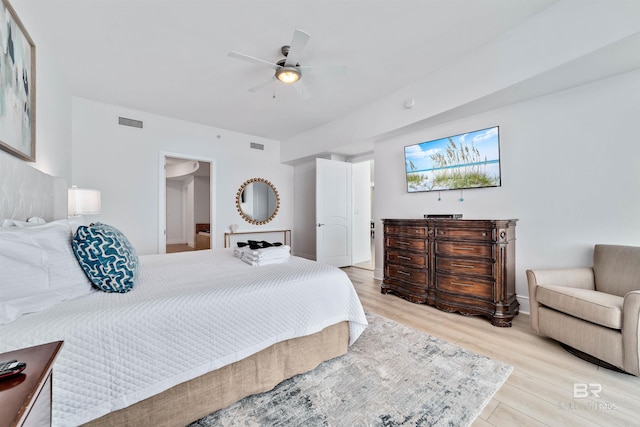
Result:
{"points": [[257, 201]]}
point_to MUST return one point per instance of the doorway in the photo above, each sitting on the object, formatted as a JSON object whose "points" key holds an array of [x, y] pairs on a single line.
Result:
{"points": [[187, 189], [363, 218], [344, 213]]}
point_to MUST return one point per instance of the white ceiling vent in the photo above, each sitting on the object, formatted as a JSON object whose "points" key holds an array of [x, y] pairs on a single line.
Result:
{"points": [[257, 146], [130, 122]]}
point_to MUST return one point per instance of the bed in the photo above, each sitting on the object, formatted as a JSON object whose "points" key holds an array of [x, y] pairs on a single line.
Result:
{"points": [[198, 331]]}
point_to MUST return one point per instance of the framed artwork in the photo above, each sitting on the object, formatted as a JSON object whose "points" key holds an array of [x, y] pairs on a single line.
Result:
{"points": [[17, 86]]}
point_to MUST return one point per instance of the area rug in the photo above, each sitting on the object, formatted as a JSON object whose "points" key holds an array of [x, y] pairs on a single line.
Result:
{"points": [[392, 376]]}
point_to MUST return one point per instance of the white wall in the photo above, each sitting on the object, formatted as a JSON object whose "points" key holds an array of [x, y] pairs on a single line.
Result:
{"points": [[123, 162], [175, 212], [202, 200], [570, 165], [53, 106], [304, 234]]}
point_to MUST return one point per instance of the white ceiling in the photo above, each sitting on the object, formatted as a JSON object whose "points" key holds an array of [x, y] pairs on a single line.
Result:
{"points": [[169, 57]]}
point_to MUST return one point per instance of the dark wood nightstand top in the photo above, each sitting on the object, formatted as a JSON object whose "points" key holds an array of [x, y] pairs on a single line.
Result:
{"points": [[19, 393]]}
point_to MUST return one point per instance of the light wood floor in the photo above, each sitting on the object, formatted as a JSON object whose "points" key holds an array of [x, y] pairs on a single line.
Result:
{"points": [[540, 390]]}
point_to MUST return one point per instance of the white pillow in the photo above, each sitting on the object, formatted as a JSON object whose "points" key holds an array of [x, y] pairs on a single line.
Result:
{"points": [[38, 269], [16, 223], [30, 222]]}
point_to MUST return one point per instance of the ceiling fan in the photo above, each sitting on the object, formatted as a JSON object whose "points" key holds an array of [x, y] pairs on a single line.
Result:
{"points": [[287, 70]]}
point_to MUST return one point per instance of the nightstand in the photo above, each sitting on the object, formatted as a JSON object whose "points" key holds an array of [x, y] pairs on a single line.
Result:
{"points": [[25, 399]]}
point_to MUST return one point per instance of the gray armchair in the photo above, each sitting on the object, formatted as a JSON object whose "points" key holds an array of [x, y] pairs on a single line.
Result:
{"points": [[595, 310]]}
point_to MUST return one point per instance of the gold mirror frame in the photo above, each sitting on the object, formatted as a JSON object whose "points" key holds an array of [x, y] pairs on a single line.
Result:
{"points": [[239, 201]]}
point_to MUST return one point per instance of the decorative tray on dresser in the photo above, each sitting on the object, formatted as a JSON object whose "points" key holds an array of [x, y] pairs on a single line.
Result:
{"points": [[465, 266]]}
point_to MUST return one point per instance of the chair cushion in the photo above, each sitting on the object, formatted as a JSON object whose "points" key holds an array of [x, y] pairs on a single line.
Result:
{"points": [[616, 269], [592, 306]]}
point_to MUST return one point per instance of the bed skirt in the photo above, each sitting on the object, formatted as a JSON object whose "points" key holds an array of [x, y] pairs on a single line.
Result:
{"points": [[260, 372]]}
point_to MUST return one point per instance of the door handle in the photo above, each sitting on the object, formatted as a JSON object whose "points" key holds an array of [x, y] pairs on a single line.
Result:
{"points": [[320, 225]]}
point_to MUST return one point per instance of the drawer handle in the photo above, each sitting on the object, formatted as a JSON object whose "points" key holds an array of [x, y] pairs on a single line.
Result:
{"points": [[404, 273], [462, 265], [403, 257], [461, 284], [404, 243]]}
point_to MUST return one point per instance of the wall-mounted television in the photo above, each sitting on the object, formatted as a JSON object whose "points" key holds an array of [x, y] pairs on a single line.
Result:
{"points": [[467, 160]]}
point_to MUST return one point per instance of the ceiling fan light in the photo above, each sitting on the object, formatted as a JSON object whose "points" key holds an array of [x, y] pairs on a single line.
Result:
{"points": [[288, 74]]}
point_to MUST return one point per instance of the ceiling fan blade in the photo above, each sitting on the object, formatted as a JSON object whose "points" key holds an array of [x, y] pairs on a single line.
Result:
{"points": [[261, 85], [300, 39], [252, 59], [302, 90]]}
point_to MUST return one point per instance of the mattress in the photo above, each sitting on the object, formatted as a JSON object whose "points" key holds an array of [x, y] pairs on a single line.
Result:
{"points": [[189, 313]]}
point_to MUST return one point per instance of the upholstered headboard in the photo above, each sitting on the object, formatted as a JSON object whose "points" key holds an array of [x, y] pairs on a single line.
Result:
{"points": [[26, 191]]}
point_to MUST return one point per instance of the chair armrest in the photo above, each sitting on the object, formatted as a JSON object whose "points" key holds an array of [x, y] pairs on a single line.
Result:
{"points": [[630, 332], [581, 277]]}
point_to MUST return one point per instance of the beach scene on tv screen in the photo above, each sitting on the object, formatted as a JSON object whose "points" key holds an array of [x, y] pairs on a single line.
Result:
{"points": [[468, 160]]}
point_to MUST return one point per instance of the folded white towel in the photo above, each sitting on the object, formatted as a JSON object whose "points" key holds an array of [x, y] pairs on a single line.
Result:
{"points": [[250, 258], [238, 252], [266, 253], [264, 261]]}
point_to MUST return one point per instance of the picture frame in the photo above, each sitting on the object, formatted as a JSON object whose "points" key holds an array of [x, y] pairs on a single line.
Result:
{"points": [[17, 86], [457, 162]]}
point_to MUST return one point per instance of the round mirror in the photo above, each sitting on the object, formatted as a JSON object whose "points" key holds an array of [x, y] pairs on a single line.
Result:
{"points": [[257, 201]]}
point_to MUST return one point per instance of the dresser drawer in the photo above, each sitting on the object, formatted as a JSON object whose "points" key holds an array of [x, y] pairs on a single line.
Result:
{"points": [[477, 234], [405, 244], [405, 274], [464, 249], [465, 266], [465, 287], [406, 258], [406, 231]]}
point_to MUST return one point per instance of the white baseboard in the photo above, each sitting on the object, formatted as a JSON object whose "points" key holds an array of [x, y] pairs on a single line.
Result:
{"points": [[525, 308], [176, 241]]}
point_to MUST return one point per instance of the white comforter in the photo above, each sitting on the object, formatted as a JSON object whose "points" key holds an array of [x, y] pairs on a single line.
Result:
{"points": [[189, 313]]}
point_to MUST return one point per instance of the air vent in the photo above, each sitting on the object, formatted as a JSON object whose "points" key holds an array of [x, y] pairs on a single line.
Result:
{"points": [[256, 146], [130, 122]]}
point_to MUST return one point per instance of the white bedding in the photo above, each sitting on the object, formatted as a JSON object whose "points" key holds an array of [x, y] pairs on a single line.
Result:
{"points": [[189, 313]]}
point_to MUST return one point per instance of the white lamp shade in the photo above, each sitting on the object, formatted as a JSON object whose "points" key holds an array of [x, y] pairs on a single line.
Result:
{"points": [[83, 201]]}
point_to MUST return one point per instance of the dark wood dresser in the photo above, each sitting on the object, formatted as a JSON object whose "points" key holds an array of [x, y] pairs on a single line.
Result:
{"points": [[465, 266]]}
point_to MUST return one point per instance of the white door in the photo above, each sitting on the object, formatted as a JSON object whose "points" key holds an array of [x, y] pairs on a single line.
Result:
{"points": [[333, 212]]}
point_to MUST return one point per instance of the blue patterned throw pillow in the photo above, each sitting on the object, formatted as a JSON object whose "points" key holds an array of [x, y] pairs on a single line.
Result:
{"points": [[106, 256]]}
